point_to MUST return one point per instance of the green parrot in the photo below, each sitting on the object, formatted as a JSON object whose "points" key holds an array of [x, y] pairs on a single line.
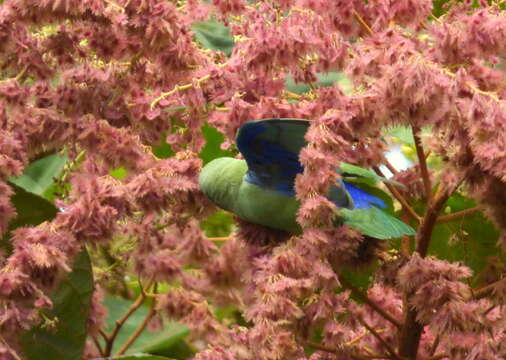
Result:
{"points": [[260, 188]]}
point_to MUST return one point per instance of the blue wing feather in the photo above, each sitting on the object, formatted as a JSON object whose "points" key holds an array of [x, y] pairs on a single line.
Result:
{"points": [[361, 198], [271, 149]]}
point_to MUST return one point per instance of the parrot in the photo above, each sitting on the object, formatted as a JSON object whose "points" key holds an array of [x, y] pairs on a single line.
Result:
{"points": [[260, 188]]}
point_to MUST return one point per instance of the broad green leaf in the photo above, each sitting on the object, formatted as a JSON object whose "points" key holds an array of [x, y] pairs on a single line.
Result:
{"points": [[71, 302], [376, 223], [171, 335], [163, 151], [471, 240], [31, 209], [139, 356], [71, 299], [39, 175], [214, 35]]}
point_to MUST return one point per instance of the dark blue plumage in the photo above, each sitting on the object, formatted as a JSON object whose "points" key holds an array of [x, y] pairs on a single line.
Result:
{"points": [[271, 150]]}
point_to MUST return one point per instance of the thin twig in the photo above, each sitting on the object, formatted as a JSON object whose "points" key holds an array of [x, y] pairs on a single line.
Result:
{"points": [[218, 239], [360, 337], [138, 331], [21, 73], [422, 163], [486, 290], [119, 323], [97, 345], [369, 302], [399, 197], [9, 349], [380, 339], [331, 350], [435, 345], [177, 88], [438, 356], [458, 215], [389, 166], [362, 22]]}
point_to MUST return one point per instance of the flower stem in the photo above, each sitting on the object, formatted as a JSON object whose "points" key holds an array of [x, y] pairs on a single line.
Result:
{"points": [[423, 163], [362, 22], [458, 215], [138, 331], [399, 196], [369, 302], [380, 339], [109, 339]]}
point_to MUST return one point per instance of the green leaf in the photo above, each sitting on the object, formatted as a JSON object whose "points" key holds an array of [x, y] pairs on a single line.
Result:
{"points": [[324, 80], [376, 223], [171, 335], [214, 35], [31, 209], [139, 356], [212, 149], [401, 134], [471, 240], [39, 176], [71, 302], [118, 173], [363, 175], [218, 224], [71, 299]]}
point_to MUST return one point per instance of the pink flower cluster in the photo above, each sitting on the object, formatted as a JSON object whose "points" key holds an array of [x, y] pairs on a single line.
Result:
{"points": [[109, 79]]}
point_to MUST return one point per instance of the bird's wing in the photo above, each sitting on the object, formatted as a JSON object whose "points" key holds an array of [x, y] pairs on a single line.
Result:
{"points": [[361, 198], [271, 149], [376, 223]]}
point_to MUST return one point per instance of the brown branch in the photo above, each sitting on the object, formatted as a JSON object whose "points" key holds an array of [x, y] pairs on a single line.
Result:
{"points": [[331, 350], [424, 233], [369, 302], [457, 215], [138, 331], [380, 339], [405, 241], [109, 339], [423, 163], [486, 290], [399, 196], [412, 329]]}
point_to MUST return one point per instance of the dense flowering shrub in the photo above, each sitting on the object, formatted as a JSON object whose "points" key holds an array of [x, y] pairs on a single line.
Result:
{"points": [[107, 80]]}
